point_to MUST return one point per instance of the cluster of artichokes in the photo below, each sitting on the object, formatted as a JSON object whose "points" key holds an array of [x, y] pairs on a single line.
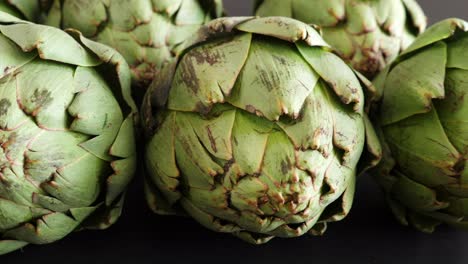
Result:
{"points": [[253, 126]]}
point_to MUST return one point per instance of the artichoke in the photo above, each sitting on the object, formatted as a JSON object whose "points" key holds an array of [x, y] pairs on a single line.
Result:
{"points": [[24, 9], [67, 148], [367, 34], [423, 119], [256, 130], [145, 32]]}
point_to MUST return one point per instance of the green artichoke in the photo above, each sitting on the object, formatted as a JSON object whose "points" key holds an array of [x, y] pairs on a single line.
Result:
{"points": [[257, 130], [67, 149], [367, 34], [423, 119], [24, 9], [145, 32]]}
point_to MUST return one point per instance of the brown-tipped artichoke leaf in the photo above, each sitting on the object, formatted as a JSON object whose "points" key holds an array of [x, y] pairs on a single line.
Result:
{"points": [[303, 12], [157, 202], [249, 131], [457, 51], [417, 15], [87, 18], [165, 172], [50, 43], [423, 223], [12, 59], [253, 238], [43, 88], [197, 166], [283, 28], [427, 152], [410, 88], [337, 74], [317, 119], [215, 134], [207, 74], [453, 110], [439, 31], [124, 170], [48, 229], [360, 17], [272, 94], [373, 150], [416, 196]]}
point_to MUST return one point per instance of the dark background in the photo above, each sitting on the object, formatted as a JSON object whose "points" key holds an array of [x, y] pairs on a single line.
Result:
{"points": [[368, 235], [435, 9]]}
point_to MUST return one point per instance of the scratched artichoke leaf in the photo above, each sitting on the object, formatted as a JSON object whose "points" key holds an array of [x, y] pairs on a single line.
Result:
{"points": [[66, 134], [422, 125], [368, 35], [253, 134]]}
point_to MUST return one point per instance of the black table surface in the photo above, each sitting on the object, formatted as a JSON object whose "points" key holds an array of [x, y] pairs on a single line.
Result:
{"points": [[368, 235]]}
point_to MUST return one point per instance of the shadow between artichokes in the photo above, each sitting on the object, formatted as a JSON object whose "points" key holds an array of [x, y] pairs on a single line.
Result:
{"points": [[145, 32], [67, 147], [29, 10], [367, 34], [422, 120], [257, 130]]}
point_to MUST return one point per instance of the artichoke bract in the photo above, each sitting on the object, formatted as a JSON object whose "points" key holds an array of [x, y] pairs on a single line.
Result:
{"points": [[28, 10], [367, 34], [256, 130], [145, 32], [67, 146], [423, 119]]}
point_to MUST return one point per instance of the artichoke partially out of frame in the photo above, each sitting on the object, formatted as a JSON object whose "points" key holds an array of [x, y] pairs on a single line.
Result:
{"points": [[423, 120], [145, 32], [67, 148], [367, 34], [256, 131]]}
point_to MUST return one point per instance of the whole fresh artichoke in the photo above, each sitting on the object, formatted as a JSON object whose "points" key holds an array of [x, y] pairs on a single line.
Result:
{"points": [[24, 9], [145, 32], [256, 131], [67, 149], [367, 34], [423, 119]]}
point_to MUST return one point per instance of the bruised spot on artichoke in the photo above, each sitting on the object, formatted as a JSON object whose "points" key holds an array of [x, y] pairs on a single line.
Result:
{"points": [[4, 106]]}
